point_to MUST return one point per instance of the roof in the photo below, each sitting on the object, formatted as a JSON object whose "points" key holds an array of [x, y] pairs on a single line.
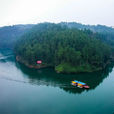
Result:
{"points": [[82, 83], [76, 81], [79, 82]]}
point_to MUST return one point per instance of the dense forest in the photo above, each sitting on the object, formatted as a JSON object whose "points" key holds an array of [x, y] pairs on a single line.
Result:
{"points": [[10, 34], [68, 50], [106, 33]]}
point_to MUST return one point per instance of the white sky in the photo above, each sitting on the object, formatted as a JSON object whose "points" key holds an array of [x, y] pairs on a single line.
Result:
{"points": [[35, 11]]}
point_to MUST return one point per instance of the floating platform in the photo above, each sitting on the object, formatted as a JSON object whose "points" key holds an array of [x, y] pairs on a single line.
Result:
{"points": [[80, 84]]}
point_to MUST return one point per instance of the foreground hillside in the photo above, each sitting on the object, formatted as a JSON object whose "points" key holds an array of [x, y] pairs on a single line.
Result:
{"points": [[68, 50]]}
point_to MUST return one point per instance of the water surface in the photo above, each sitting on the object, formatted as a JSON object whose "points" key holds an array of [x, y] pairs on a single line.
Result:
{"points": [[29, 91]]}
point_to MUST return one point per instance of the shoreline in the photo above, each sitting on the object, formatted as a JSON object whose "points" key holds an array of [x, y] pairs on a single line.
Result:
{"points": [[19, 59]]}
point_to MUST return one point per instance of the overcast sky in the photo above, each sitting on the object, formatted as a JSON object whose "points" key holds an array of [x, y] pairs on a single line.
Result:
{"points": [[35, 11]]}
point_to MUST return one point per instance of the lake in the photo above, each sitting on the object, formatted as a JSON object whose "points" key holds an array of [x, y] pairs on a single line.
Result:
{"points": [[43, 91]]}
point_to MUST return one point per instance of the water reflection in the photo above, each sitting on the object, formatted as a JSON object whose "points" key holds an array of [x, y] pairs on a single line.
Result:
{"points": [[50, 78]]}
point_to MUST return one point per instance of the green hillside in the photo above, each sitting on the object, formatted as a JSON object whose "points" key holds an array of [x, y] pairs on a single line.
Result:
{"points": [[68, 50]]}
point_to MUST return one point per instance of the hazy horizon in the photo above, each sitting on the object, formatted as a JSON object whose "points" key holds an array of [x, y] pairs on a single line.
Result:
{"points": [[90, 12]]}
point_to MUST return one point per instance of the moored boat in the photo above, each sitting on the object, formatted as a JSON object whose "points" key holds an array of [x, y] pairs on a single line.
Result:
{"points": [[80, 84]]}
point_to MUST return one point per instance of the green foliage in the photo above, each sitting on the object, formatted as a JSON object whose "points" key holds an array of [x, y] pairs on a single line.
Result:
{"points": [[68, 68], [68, 50]]}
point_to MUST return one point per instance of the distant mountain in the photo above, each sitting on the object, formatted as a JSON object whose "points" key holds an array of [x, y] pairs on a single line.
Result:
{"points": [[94, 28], [10, 34]]}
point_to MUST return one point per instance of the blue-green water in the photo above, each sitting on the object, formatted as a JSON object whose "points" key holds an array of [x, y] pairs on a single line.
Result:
{"points": [[28, 91]]}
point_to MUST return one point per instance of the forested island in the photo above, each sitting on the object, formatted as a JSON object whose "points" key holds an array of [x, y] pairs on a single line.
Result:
{"points": [[67, 49]]}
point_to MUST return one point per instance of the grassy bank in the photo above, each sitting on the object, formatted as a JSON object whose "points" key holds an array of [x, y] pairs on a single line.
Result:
{"points": [[67, 68]]}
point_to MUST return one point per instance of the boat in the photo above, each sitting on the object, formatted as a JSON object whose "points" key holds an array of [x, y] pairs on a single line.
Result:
{"points": [[80, 84]]}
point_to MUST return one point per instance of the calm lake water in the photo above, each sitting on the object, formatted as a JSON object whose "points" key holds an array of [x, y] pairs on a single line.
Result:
{"points": [[28, 91]]}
